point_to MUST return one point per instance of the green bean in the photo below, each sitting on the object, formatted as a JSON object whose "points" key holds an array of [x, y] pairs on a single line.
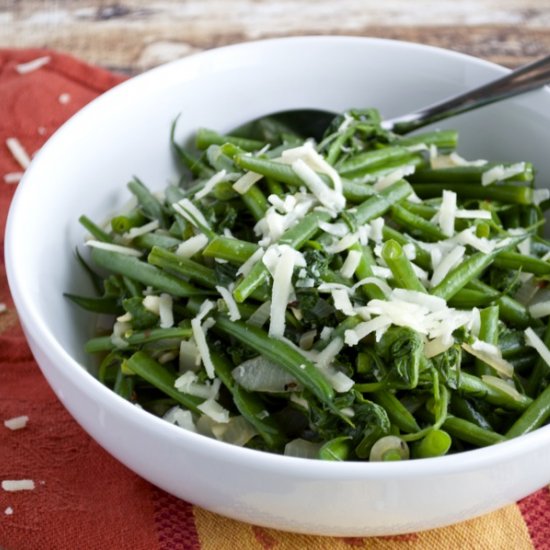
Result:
{"points": [[471, 433], [508, 194], [541, 369], [435, 443], [516, 261], [361, 163], [401, 267], [416, 225], [283, 173], [466, 174], [533, 417], [398, 414], [379, 204], [281, 353], [124, 222], [149, 240], [364, 270], [150, 205], [159, 376], [422, 256], [510, 310], [105, 304], [463, 274], [124, 385], [338, 449], [488, 332], [195, 165], [185, 267], [138, 338], [95, 230], [230, 249], [468, 299], [143, 272], [464, 408], [442, 139], [295, 237], [473, 386], [255, 201], [206, 137]]}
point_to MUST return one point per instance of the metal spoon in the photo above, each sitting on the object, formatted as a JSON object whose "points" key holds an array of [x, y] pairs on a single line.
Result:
{"points": [[313, 122]]}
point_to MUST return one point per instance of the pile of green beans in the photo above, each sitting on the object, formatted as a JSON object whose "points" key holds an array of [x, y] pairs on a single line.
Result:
{"points": [[158, 268]]}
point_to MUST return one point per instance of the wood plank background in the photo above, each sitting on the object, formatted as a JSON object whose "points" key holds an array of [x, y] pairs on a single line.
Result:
{"points": [[134, 35]]}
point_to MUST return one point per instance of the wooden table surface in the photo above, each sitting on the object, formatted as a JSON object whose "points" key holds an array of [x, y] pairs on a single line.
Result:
{"points": [[135, 35]]}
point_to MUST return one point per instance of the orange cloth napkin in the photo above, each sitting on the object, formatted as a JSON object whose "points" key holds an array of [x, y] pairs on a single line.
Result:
{"points": [[84, 498]]}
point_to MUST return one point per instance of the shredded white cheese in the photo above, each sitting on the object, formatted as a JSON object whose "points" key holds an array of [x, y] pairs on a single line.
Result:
{"points": [[447, 213], [329, 198], [18, 152], [232, 307], [473, 214], [8, 511], [33, 65], [199, 334], [142, 230], [215, 411], [246, 181], [342, 301], [165, 310], [353, 336], [315, 161], [114, 248], [180, 417], [449, 262], [189, 356], [191, 246], [343, 244], [351, 263], [532, 340], [64, 98], [338, 229], [16, 423], [191, 213], [3, 307], [491, 355], [393, 177], [13, 177], [286, 259], [13, 485], [376, 227], [324, 358], [211, 184], [500, 173]]}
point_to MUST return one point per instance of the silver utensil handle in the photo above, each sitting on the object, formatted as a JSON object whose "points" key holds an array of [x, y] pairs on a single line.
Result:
{"points": [[523, 79]]}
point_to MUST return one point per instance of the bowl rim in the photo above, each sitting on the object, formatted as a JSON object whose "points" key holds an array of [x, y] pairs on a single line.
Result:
{"points": [[88, 384]]}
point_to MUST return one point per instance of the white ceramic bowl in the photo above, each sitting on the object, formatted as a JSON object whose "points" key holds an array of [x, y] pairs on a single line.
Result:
{"points": [[83, 169]]}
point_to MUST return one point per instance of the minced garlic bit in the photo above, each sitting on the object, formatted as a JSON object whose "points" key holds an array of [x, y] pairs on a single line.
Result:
{"points": [[3, 307], [64, 98], [8, 511], [17, 422]]}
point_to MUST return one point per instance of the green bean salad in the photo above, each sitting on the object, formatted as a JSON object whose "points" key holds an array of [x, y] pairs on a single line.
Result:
{"points": [[362, 296]]}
